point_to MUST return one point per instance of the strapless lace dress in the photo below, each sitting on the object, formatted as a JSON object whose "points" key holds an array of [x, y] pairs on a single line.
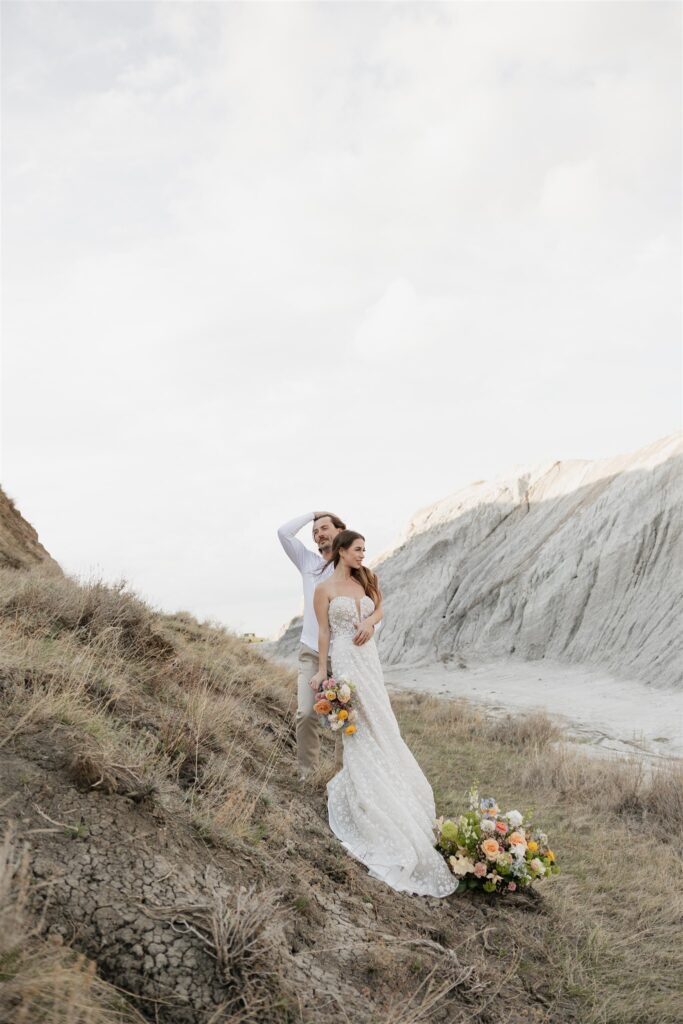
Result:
{"points": [[380, 805]]}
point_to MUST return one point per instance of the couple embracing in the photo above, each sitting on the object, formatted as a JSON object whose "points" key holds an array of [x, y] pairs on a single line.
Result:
{"points": [[380, 805]]}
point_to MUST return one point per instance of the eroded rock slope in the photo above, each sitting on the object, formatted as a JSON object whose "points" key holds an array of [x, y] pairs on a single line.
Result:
{"points": [[576, 560]]}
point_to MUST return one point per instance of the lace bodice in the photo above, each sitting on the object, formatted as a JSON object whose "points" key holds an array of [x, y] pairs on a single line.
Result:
{"points": [[344, 614]]}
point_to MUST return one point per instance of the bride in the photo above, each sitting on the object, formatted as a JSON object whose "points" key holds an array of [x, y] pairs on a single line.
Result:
{"points": [[380, 805]]}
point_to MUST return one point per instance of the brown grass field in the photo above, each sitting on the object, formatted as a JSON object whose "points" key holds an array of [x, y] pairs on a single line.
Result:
{"points": [[160, 862]]}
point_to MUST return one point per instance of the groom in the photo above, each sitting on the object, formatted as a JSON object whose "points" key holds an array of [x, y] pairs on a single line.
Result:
{"points": [[314, 568]]}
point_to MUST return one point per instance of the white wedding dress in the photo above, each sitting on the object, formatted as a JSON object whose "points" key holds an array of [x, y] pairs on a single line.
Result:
{"points": [[380, 805]]}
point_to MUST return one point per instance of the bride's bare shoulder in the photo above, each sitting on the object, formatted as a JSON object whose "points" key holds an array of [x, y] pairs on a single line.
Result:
{"points": [[324, 588]]}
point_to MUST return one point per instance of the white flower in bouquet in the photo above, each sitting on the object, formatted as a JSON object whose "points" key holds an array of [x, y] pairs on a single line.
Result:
{"points": [[536, 865], [344, 693], [515, 818], [461, 865], [487, 825], [352, 716]]}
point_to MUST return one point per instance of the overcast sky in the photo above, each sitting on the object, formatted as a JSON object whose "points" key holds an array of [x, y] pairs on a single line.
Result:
{"points": [[262, 258]]}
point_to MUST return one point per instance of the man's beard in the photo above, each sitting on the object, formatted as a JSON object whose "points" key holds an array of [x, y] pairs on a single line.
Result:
{"points": [[325, 548]]}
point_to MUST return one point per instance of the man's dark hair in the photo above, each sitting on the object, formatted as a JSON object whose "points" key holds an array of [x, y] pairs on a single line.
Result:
{"points": [[336, 521]]}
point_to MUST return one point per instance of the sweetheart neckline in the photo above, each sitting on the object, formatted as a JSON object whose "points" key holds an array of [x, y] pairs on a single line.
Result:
{"points": [[349, 598]]}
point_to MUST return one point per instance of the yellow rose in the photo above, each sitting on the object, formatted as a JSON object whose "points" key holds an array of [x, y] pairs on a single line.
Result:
{"points": [[349, 730], [343, 714], [330, 694], [532, 847], [550, 855]]}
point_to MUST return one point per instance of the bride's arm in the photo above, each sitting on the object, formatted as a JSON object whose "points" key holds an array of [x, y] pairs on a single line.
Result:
{"points": [[376, 617], [321, 604], [366, 628]]}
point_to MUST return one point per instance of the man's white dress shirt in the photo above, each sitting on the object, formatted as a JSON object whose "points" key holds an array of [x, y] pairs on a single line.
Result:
{"points": [[309, 563]]}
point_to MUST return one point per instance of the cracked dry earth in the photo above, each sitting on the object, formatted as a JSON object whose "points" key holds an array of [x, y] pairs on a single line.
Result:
{"points": [[137, 891]]}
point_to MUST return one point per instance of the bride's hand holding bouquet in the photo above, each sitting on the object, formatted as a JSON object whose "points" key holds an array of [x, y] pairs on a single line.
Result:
{"points": [[334, 704], [317, 681]]}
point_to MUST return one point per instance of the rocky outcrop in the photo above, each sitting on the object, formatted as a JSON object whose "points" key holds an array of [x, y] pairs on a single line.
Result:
{"points": [[19, 544], [576, 560]]}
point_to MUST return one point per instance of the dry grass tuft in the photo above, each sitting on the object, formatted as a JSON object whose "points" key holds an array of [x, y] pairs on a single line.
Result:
{"points": [[534, 731], [49, 604], [531, 731], [242, 931], [652, 799]]}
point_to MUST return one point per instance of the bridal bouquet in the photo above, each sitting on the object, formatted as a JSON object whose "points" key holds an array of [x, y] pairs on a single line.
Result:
{"points": [[492, 851], [334, 704]]}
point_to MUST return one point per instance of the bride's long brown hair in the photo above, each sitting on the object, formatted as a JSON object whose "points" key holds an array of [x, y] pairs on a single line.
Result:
{"points": [[366, 577]]}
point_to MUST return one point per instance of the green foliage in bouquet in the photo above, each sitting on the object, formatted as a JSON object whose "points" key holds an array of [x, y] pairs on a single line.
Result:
{"points": [[492, 851]]}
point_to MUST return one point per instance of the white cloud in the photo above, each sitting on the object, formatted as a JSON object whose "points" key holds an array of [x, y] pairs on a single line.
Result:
{"points": [[572, 192], [399, 322]]}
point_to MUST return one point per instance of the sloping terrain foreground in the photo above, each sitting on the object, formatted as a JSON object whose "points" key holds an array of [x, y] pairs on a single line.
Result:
{"points": [[146, 769]]}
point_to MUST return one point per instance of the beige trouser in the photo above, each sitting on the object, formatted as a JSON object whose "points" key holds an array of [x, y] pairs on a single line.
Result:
{"points": [[308, 724]]}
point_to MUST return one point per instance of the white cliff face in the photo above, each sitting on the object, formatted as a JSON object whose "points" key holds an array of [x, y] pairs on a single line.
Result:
{"points": [[576, 560], [579, 561]]}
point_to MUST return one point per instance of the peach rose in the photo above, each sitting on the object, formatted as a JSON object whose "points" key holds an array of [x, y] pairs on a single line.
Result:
{"points": [[322, 707], [490, 848], [479, 869], [517, 837]]}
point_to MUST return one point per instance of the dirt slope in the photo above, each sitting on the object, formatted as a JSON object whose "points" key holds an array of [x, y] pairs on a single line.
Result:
{"points": [[19, 544]]}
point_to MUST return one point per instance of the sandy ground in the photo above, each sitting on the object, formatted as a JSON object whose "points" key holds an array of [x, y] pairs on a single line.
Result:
{"points": [[609, 716]]}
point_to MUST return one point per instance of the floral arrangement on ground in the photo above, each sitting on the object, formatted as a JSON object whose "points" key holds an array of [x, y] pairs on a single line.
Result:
{"points": [[492, 851]]}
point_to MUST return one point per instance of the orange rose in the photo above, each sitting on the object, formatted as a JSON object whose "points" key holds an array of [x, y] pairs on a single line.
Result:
{"points": [[349, 730], [323, 707], [516, 837], [490, 848]]}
